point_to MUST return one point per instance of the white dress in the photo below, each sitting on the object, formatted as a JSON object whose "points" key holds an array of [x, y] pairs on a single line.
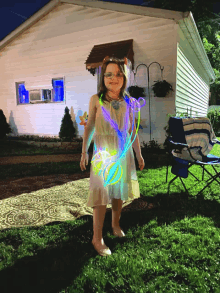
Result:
{"points": [[110, 175]]}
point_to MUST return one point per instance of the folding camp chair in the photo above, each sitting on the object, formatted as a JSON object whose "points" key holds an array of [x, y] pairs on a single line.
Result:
{"points": [[192, 139]]}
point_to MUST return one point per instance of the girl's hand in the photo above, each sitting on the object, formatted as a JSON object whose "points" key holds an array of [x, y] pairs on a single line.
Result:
{"points": [[141, 162], [84, 161]]}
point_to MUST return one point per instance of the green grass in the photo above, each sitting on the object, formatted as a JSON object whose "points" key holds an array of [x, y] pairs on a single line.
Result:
{"points": [[172, 248]]}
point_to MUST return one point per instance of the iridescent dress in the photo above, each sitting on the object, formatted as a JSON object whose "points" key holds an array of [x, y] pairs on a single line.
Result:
{"points": [[107, 149]]}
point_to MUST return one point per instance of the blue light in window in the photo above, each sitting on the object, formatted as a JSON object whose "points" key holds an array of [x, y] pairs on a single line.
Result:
{"points": [[23, 94], [58, 90]]}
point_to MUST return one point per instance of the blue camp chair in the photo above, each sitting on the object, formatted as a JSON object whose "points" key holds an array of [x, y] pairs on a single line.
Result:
{"points": [[192, 139]]}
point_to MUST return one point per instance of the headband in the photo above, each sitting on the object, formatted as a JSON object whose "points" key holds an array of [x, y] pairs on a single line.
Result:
{"points": [[106, 59]]}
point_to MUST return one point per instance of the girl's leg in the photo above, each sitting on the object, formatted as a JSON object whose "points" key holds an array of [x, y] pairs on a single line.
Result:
{"points": [[116, 212], [98, 220]]}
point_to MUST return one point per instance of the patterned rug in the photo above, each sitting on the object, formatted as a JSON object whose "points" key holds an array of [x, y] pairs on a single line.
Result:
{"points": [[58, 203]]}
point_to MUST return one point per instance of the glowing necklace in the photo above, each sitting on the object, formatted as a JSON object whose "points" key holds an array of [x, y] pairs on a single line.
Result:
{"points": [[115, 103]]}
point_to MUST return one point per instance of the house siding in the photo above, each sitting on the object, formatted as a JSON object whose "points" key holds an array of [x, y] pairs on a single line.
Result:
{"points": [[192, 81], [58, 45]]}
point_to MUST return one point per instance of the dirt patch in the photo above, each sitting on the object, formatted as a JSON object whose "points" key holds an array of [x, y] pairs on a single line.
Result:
{"points": [[41, 159], [16, 186]]}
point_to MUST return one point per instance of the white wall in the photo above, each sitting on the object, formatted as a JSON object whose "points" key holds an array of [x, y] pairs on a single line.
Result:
{"points": [[192, 80], [59, 44]]}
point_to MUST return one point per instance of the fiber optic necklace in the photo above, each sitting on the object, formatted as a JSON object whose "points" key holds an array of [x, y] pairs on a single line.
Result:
{"points": [[109, 163]]}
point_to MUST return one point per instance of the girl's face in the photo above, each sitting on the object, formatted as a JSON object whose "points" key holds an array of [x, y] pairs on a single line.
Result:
{"points": [[115, 81]]}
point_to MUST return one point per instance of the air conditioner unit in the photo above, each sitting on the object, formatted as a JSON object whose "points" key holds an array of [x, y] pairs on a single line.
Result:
{"points": [[36, 95]]}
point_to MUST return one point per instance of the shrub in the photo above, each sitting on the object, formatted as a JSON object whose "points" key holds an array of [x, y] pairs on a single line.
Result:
{"points": [[38, 138], [4, 126], [152, 147], [67, 129], [214, 117]]}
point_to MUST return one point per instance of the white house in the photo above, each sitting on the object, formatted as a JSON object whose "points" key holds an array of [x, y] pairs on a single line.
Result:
{"points": [[52, 61]]}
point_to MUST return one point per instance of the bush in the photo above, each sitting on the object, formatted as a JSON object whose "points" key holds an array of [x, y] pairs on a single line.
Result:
{"points": [[152, 147], [214, 117], [4, 126], [40, 138], [67, 130]]}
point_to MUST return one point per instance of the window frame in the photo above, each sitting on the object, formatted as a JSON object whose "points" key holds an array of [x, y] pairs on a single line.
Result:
{"points": [[17, 84]]}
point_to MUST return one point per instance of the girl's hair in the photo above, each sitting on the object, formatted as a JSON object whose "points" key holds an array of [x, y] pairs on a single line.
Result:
{"points": [[123, 68]]}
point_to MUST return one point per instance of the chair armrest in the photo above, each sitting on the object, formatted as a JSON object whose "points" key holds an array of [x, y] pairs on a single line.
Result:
{"points": [[178, 143]]}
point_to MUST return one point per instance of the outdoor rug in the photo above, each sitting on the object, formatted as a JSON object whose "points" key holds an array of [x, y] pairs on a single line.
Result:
{"points": [[58, 203]]}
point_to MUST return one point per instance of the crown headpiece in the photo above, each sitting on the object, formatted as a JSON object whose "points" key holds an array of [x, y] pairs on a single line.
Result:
{"points": [[106, 59]]}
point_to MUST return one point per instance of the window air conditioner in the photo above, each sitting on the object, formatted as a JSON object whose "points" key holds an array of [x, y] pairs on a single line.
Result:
{"points": [[36, 95]]}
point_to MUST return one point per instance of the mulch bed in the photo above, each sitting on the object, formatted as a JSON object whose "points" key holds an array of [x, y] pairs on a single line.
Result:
{"points": [[16, 186]]}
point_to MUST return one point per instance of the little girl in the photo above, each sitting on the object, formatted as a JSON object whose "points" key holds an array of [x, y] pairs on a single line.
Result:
{"points": [[113, 178]]}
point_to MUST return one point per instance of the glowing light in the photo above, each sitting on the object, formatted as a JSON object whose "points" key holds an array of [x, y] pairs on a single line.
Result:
{"points": [[108, 163]]}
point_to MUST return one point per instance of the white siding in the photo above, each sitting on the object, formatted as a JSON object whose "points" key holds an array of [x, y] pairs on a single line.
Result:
{"points": [[192, 81], [58, 46]]}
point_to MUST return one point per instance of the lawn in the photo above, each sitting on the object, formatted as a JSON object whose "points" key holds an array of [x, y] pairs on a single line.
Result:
{"points": [[172, 248]]}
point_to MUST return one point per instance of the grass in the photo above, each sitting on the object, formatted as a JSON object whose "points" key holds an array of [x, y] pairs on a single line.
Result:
{"points": [[172, 248]]}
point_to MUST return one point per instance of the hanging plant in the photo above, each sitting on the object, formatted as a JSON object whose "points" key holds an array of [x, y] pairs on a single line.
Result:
{"points": [[161, 88], [136, 91]]}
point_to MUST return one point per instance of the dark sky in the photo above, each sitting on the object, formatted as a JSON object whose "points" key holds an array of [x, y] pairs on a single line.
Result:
{"points": [[13, 13]]}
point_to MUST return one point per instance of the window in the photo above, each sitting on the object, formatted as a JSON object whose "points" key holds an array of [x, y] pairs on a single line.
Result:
{"points": [[41, 95], [22, 94], [47, 95], [58, 90]]}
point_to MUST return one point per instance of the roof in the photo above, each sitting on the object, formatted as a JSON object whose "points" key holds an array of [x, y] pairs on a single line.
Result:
{"points": [[118, 49], [184, 19]]}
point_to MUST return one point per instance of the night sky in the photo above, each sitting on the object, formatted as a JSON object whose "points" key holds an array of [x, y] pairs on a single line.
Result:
{"points": [[13, 14]]}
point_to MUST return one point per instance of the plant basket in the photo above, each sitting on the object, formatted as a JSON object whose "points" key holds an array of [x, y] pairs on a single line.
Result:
{"points": [[161, 88], [136, 92]]}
